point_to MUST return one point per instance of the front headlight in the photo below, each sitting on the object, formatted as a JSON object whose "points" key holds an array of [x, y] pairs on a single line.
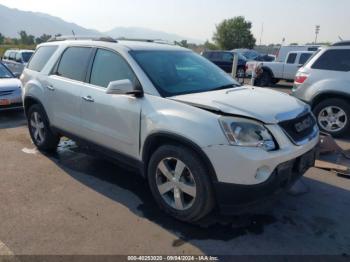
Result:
{"points": [[248, 133]]}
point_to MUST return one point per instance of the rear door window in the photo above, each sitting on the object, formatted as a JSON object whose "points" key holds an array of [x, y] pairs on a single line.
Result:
{"points": [[291, 58], [334, 60], [304, 58], [18, 57], [74, 63], [41, 57]]}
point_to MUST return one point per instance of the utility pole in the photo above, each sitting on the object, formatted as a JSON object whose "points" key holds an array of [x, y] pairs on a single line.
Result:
{"points": [[262, 32], [317, 31]]}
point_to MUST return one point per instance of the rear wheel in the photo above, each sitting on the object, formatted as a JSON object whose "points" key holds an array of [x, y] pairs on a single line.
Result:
{"points": [[333, 116], [180, 183], [40, 130], [265, 79]]}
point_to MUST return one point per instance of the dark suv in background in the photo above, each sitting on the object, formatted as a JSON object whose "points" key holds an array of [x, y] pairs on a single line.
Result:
{"points": [[224, 60]]}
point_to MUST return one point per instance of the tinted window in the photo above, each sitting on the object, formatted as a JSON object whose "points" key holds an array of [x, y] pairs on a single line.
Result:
{"points": [[216, 56], [182, 72], [227, 57], [40, 57], [74, 63], [335, 60], [26, 56], [109, 66], [303, 58], [312, 49], [291, 58]]}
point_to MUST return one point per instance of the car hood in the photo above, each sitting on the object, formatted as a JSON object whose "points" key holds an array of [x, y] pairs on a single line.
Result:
{"points": [[261, 104], [9, 83]]}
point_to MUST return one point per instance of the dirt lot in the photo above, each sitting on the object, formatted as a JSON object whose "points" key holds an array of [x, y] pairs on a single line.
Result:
{"points": [[73, 203]]}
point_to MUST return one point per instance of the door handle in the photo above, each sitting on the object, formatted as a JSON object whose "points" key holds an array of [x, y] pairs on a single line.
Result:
{"points": [[88, 99], [50, 87]]}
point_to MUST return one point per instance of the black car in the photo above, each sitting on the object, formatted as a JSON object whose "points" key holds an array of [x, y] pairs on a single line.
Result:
{"points": [[224, 59]]}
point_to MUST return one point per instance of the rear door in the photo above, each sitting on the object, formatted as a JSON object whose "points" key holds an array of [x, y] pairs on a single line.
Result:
{"points": [[111, 121], [291, 66], [65, 85]]}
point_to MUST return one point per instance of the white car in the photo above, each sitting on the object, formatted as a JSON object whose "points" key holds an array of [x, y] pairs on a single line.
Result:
{"points": [[199, 137], [16, 60], [273, 72]]}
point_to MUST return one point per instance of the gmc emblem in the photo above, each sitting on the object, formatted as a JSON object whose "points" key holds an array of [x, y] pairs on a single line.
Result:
{"points": [[303, 125]]}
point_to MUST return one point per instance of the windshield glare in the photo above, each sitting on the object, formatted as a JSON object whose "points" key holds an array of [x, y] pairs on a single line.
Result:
{"points": [[181, 72], [4, 72]]}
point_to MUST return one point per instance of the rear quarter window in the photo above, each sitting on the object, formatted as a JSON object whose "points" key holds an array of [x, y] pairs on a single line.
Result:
{"points": [[334, 60], [41, 57]]}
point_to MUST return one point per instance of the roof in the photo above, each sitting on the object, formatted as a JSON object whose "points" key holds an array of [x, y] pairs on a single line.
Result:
{"points": [[342, 43], [110, 43]]}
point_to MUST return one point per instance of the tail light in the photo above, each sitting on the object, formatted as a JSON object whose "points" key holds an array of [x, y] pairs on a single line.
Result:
{"points": [[300, 78]]}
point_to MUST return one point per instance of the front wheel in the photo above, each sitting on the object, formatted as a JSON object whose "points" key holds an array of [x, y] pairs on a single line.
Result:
{"points": [[264, 80], [180, 183], [40, 131], [333, 116]]}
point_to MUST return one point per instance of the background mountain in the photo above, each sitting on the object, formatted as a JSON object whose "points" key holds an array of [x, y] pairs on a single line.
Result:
{"points": [[13, 20]]}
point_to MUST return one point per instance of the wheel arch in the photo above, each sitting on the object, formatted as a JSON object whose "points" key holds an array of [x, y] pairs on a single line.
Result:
{"points": [[156, 140], [269, 70], [329, 95]]}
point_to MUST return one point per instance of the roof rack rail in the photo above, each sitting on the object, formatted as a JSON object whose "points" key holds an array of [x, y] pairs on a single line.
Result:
{"points": [[157, 41], [94, 38], [342, 43]]}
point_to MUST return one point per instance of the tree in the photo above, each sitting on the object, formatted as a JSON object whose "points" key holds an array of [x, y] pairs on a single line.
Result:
{"points": [[234, 33], [2, 39], [26, 39], [42, 39], [210, 46]]}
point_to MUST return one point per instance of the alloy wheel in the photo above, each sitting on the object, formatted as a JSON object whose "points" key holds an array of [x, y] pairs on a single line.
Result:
{"points": [[332, 119], [37, 127], [176, 184]]}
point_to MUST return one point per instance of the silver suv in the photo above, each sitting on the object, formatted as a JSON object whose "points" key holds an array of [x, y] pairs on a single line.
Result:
{"points": [[199, 137], [324, 83], [16, 60]]}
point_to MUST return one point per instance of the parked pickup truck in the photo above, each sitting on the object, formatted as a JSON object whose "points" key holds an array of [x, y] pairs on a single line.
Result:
{"points": [[273, 72]]}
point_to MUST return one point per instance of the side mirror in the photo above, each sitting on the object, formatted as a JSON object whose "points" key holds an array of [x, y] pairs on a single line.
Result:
{"points": [[123, 87]]}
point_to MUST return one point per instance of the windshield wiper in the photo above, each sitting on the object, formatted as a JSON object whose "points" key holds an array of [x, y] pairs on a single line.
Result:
{"points": [[226, 87]]}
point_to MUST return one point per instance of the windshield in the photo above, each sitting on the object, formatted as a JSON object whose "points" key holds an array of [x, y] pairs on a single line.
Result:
{"points": [[4, 72], [26, 56], [182, 72]]}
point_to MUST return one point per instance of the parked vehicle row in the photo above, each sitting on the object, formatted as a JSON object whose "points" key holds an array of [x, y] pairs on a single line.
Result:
{"points": [[324, 83], [16, 60], [199, 137]]}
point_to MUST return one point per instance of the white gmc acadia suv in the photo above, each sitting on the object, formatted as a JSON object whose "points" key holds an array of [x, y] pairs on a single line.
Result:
{"points": [[199, 138]]}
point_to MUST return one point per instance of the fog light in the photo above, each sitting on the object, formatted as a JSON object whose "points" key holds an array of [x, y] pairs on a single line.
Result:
{"points": [[263, 173]]}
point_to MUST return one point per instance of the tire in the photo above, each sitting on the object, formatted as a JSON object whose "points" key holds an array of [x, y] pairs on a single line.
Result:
{"points": [[264, 80], [194, 173], [334, 111], [45, 140]]}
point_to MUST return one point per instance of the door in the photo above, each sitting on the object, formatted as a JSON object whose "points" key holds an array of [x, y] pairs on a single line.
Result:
{"points": [[111, 121], [291, 66], [64, 88]]}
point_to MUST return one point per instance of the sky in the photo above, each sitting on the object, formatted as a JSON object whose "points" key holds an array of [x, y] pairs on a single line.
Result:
{"points": [[294, 20]]}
